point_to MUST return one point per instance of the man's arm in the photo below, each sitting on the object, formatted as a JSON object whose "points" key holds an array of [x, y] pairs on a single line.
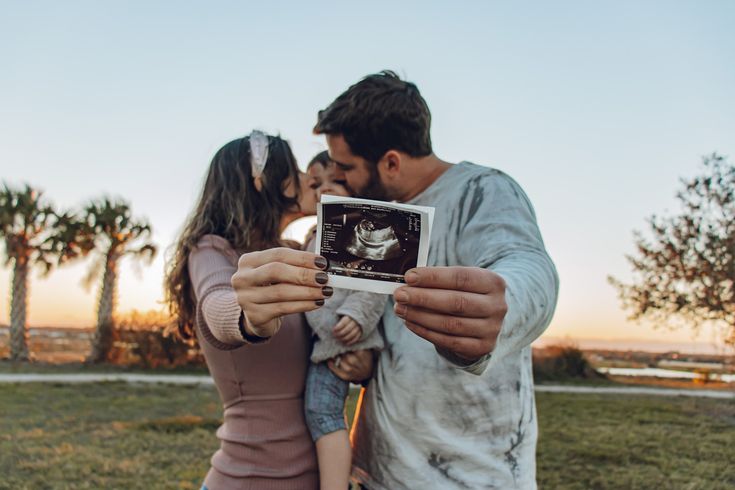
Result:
{"points": [[504, 300]]}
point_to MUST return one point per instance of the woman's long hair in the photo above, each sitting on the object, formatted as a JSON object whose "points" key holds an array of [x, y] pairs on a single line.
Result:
{"points": [[230, 206]]}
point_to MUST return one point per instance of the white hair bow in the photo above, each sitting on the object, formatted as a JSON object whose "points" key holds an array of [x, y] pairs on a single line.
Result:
{"points": [[258, 152]]}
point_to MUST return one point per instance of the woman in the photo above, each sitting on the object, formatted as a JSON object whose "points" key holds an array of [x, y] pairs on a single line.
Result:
{"points": [[257, 357]]}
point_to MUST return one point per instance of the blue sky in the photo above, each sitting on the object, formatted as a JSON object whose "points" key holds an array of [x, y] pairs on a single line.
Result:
{"points": [[597, 109]]}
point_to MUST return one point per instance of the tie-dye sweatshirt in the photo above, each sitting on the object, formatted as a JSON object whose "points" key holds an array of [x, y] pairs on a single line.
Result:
{"points": [[429, 422]]}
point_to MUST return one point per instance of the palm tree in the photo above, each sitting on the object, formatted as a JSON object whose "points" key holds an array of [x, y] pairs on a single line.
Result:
{"points": [[35, 235], [111, 230]]}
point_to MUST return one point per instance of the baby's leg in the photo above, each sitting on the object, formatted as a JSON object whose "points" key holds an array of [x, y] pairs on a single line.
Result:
{"points": [[324, 406]]}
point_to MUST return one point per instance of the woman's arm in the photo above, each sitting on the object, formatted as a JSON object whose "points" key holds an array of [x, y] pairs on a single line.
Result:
{"points": [[218, 312]]}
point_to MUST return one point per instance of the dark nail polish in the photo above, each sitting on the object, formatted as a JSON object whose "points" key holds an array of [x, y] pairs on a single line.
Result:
{"points": [[327, 291], [321, 262], [322, 277], [319, 302]]}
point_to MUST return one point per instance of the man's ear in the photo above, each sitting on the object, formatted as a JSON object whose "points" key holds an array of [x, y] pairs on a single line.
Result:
{"points": [[391, 162]]}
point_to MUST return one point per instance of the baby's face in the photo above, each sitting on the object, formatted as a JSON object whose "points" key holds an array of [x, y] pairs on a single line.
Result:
{"points": [[322, 181]]}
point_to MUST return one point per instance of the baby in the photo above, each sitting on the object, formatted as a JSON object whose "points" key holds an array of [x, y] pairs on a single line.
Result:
{"points": [[347, 322]]}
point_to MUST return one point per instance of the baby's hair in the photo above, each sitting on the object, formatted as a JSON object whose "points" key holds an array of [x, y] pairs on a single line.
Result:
{"points": [[321, 158]]}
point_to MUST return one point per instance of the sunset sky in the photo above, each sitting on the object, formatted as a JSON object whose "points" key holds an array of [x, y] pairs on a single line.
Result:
{"points": [[595, 109]]}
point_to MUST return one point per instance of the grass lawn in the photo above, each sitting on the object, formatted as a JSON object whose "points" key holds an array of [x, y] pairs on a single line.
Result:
{"points": [[116, 435], [635, 442]]}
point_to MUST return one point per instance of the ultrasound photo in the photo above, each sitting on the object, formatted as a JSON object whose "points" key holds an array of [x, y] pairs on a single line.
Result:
{"points": [[371, 244]]}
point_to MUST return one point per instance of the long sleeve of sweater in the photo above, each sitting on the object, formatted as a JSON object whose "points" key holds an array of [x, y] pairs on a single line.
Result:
{"points": [[211, 266], [503, 236]]}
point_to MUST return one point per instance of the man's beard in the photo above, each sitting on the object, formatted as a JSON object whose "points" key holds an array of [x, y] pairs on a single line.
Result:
{"points": [[374, 189]]}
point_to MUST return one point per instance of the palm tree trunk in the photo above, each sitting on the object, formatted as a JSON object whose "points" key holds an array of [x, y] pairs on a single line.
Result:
{"points": [[18, 306], [103, 337]]}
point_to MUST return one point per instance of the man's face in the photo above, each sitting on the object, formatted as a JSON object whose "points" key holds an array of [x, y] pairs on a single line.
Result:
{"points": [[359, 176]]}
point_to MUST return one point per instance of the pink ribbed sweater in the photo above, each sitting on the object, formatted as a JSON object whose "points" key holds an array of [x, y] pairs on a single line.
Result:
{"points": [[265, 444]]}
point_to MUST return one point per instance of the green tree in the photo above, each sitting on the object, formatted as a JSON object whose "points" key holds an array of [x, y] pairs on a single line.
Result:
{"points": [[110, 229], [34, 235], [684, 272]]}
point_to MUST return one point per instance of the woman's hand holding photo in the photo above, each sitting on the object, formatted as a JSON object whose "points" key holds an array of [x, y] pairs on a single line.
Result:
{"points": [[277, 282]]}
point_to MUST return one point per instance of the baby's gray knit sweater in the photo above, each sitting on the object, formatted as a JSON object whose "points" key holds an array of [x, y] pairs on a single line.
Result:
{"points": [[365, 308]]}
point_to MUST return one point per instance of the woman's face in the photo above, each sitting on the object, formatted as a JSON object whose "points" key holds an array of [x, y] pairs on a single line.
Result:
{"points": [[307, 199]]}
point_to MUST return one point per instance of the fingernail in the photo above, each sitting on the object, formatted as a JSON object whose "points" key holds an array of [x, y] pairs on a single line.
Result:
{"points": [[412, 277], [322, 277], [401, 296], [319, 302], [321, 262], [327, 291], [400, 310]]}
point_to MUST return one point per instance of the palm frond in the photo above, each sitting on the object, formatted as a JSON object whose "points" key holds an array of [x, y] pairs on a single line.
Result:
{"points": [[25, 223], [145, 253], [111, 221]]}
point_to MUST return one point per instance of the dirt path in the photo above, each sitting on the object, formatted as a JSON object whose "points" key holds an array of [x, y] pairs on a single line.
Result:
{"points": [[177, 379], [636, 390], [181, 379]]}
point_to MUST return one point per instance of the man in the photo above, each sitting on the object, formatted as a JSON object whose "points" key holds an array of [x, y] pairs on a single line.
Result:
{"points": [[451, 404]]}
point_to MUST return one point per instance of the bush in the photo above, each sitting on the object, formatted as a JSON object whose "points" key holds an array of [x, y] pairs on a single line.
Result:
{"points": [[145, 339], [561, 362]]}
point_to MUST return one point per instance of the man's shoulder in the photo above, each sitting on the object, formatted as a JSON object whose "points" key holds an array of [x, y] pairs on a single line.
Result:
{"points": [[485, 176]]}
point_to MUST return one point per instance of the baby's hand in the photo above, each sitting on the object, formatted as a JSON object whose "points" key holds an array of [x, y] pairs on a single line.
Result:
{"points": [[347, 331]]}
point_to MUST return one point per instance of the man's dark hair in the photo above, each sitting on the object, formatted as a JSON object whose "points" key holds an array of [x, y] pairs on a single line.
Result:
{"points": [[379, 113]]}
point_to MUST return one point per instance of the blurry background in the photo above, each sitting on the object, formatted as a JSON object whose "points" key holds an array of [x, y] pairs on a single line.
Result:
{"points": [[596, 109]]}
